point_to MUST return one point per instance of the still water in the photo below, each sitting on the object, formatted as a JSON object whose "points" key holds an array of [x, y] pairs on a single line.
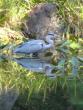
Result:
{"points": [[8, 97], [37, 65]]}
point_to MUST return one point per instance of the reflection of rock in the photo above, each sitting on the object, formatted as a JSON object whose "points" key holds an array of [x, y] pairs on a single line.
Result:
{"points": [[7, 99], [42, 19]]}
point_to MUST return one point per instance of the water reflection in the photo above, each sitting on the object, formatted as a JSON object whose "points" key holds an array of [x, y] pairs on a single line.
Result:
{"points": [[36, 65], [39, 66]]}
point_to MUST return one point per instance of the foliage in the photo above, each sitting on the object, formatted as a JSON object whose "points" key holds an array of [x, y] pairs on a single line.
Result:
{"points": [[12, 14], [57, 98], [12, 11]]}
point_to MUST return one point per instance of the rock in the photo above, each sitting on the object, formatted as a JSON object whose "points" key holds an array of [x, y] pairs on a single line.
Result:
{"points": [[42, 19]]}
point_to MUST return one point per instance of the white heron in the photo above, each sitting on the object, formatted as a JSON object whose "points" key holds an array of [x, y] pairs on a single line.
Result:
{"points": [[36, 46]]}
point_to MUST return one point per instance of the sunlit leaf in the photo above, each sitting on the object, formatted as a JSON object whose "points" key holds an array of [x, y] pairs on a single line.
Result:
{"points": [[74, 45]]}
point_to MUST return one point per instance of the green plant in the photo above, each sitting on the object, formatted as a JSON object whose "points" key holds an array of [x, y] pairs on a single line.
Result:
{"points": [[12, 13]]}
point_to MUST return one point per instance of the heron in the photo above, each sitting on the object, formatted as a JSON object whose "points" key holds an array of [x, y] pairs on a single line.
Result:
{"points": [[36, 46]]}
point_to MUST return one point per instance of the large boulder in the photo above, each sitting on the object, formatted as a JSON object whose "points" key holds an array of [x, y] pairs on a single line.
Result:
{"points": [[42, 19]]}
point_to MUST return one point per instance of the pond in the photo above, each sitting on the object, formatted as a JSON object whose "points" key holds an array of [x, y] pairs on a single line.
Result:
{"points": [[30, 82]]}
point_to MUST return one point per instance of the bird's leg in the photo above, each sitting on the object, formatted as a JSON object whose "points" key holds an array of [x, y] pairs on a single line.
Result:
{"points": [[41, 55]]}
